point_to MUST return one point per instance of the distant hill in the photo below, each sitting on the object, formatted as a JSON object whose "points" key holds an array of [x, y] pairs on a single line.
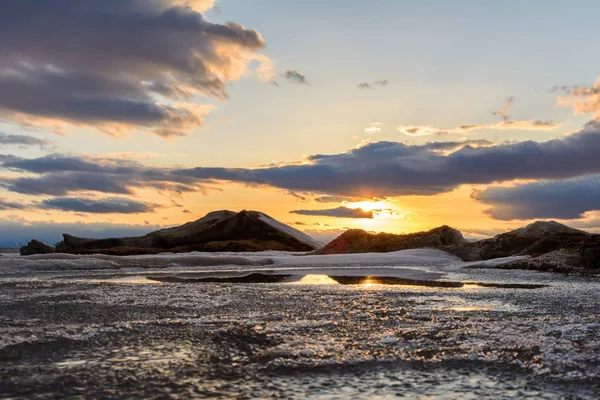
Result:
{"points": [[217, 231], [551, 246], [360, 241]]}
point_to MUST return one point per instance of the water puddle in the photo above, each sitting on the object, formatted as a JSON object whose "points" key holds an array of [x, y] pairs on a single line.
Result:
{"points": [[407, 278], [365, 278]]}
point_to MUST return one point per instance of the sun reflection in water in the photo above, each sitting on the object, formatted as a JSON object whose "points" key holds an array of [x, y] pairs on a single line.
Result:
{"points": [[369, 282], [315, 279]]}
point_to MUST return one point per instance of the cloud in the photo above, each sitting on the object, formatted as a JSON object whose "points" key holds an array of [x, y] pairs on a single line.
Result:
{"points": [[373, 85], [372, 129], [427, 130], [186, 212], [385, 169], [563, 88], [299, 196], [583, 101], [59, 175], [566, 199], [339, 212], [590, 222], [196, 5], [503, 112], [295, 77], [336, 199], [119, 66], [23, 140], [379, 169], [117, 205], [10, 205], [15, 233], [450, 147]]}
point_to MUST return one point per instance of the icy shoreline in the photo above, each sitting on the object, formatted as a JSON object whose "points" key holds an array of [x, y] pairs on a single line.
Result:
{"points": [[14, 264]]}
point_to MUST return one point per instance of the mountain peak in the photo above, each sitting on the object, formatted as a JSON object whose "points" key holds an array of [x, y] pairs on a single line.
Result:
{"points": [[360, 241], [540, 228], [221, 230]]}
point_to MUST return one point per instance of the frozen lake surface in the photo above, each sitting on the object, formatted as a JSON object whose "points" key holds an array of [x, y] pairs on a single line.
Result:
{"points": [[412, 323]]}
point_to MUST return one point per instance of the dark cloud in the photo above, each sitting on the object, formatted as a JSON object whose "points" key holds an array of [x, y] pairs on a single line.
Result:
{"points": [[379, 169], [15, 233], [10, 205], [567, 199], [63, 174], [339, 212], [117, 205], [22, 140], [186, 212], [295, 77], [394, 169], [299, 196], [453, 146], [563, 88], [337, 199], [372, 85], [102, 63]]}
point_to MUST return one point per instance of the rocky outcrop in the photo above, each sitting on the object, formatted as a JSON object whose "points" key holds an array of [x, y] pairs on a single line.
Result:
{"points": [[360, 241], [36, 247], [551, 246], [217, 231]]}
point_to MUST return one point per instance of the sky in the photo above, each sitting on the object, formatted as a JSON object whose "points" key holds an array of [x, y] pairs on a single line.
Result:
{"points": [[121, 117]]}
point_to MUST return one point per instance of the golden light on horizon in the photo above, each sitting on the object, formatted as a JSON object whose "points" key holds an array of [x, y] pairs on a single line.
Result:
{"points": [[315, 279], [369, 282]]}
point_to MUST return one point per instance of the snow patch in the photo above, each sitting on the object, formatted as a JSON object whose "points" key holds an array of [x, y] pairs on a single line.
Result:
{"points": [[415, 257], [494, 262], [295, 233]]}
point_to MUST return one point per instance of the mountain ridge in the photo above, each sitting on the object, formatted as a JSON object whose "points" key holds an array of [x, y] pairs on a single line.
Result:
{"points": [[221, 230], [549, 245]]}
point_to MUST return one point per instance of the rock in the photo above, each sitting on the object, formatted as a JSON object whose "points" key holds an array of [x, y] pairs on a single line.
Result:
{"points": [[36, 247], [537, 239], [551, 246], [360, 241], [217, 231]]}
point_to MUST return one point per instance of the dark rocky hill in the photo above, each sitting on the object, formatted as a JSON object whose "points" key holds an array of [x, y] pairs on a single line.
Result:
{"points": [[360, 241], [36, 247], [551, 246], [217, 231]]}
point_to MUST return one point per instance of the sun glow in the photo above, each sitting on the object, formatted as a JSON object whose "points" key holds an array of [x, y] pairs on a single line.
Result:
{"points": [[369, 282], [370, 205], [382, 209]]}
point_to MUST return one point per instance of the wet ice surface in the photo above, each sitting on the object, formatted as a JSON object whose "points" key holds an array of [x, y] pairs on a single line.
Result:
{"points": [[121, 332]]}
